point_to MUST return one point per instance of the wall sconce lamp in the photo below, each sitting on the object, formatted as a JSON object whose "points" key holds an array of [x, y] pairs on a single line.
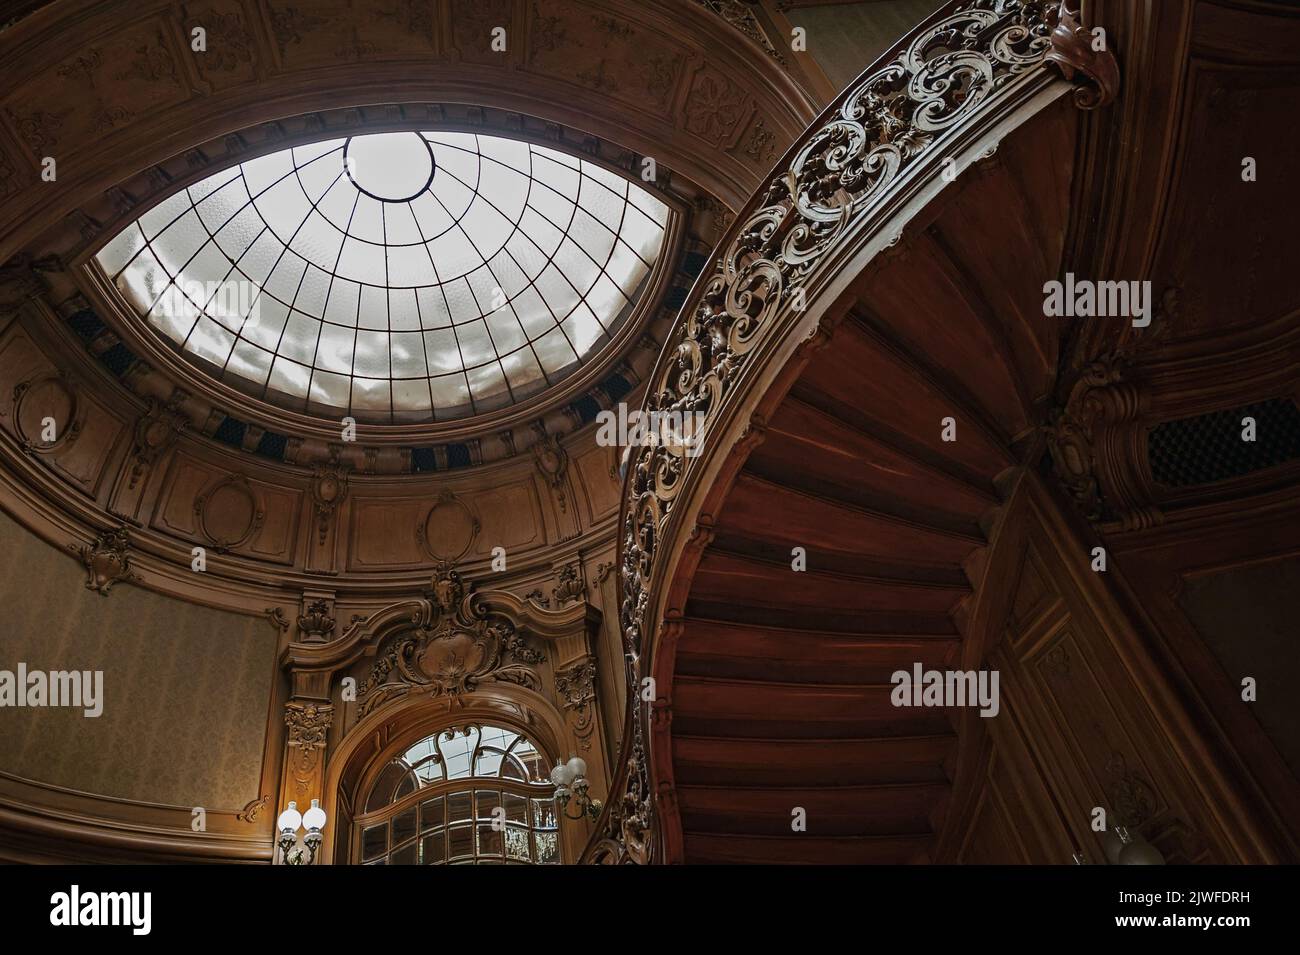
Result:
{"points": [[292, 850], [570, 781]]}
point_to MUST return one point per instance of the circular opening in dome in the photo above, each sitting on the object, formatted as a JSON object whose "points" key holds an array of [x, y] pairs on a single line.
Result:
{"points": [[390, 167]]}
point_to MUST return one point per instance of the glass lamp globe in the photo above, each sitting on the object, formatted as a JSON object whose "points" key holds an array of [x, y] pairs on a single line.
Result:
{"points": [[577, 767], [314, 818], [1112, 843], [290, 819], [1140, 852], [561, 775]]}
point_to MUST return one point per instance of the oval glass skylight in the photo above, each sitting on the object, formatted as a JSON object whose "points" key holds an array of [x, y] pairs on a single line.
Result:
{"points": [[393, 277]]}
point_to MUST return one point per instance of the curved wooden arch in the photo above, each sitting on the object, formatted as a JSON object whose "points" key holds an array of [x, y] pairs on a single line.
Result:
{"points": [[382, 734], [539, 707]]}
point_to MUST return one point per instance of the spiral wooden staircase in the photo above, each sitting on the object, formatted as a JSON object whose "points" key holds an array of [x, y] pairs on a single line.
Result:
{"points": [[771, 737], [780, 688]]}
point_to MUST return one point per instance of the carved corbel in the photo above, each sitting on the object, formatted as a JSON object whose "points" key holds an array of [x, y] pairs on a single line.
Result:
{"points": [[1074, 52], [446, 587], [253, 809], [304, 771], [18, 284], [553, 463], [316, 623], [570, 587], [754, 434], [575, 686], [1096, 443]]}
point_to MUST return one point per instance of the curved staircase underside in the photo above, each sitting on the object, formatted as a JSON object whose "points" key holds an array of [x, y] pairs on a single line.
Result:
{"points": [[780, 697]]}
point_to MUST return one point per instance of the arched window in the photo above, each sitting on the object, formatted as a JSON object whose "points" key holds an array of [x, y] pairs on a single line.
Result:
{"points": [[437, 803]]}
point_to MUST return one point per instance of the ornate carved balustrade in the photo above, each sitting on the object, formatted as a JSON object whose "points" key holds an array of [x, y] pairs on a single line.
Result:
{"points": [[945, 96]]}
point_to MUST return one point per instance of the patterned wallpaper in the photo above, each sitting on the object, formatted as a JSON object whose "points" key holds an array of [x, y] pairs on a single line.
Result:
{"points": [[186, 689]]}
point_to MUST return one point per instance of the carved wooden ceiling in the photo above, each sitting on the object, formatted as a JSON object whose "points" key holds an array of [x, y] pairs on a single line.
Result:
{"points": [[150, 462], [130, 114]]}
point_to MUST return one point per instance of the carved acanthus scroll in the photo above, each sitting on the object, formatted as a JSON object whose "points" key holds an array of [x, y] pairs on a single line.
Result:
{"points": [[575, 685], [1094, 441], [309, 722], [458, 645]]}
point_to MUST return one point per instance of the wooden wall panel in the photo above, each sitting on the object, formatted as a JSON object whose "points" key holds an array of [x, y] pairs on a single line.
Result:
{"points": [[20, 360], [1077, 729], [994, 838], [510, 517], [218, 509], [383, 533], [85, 462], [599, 486]]}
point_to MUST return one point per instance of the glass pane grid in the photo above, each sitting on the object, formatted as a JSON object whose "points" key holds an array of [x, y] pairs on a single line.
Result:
{"points": [[371, 245], [473, 824]]}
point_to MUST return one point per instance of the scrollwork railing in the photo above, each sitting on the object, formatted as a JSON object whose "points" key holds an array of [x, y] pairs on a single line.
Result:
{"points": [[844, 180]]}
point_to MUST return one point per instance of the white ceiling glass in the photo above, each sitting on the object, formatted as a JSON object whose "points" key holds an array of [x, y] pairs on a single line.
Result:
{"points": [[394, 277]]}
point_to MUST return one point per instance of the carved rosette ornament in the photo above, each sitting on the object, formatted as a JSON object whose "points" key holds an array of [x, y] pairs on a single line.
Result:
{"points": [[837, 185], [106, 561], [454, 644]]}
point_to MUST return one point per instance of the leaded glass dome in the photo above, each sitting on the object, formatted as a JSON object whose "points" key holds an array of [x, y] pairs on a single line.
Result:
{"points": [[393, 277]]}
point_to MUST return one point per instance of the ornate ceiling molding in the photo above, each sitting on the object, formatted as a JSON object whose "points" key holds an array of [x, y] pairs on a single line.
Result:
{"points": [[133, 93]]}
